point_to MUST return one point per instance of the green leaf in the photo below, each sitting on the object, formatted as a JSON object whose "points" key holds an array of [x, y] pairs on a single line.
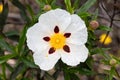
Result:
{"points": [[85, 15], [85, 6], [76, 4], [98, 50], [70, 76], [104, 28], [1, 77], [95, 15], [17, 70], [53, 2], [5, 46], [4, 71], [73, 70], [73, 76], [22, 39], [9, 67], [11, 33], [92, 35], [102, 52], [29, 63], [112, 72], [66, 76], [85, 71], [30, 11], [68, 6], [49, 1], [89, 62], [40, 2], [4, 58]]}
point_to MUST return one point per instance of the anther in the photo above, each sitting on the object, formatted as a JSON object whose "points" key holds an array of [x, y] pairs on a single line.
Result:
{"points": [[51, 50], [56, 29], [67, 35], [66, 48], [46, 39]]}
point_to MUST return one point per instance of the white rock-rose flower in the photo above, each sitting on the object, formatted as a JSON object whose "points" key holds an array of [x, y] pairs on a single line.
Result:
{"points": [[58, 34]]}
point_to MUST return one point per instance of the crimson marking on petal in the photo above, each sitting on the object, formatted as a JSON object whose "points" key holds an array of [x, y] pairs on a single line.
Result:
{"points": [[67, 35], [56, 29], [46, 38], [66, 48], [51, 50]]}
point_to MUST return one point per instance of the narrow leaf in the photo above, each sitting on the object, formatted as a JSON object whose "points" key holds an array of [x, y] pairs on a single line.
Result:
{"points": [[85, 6], [104, 28], [68, 5], [29, 63], [6, 57], [22, 39], [19, 68], [5, 46]]}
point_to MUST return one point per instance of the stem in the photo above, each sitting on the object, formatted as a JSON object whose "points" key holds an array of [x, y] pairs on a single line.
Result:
{"points": [[111, 21], [105, 9]]}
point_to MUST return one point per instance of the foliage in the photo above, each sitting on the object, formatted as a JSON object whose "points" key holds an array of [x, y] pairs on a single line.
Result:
{"points": [[23, 56]]}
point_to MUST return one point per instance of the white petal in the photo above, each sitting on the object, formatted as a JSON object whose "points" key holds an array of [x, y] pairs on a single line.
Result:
{"points": [[57, 17], [46, 61], [78, 38], [77, 54], [35, 36], [78, 31]]}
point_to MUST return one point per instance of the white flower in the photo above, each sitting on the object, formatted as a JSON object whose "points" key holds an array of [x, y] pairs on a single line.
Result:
{"points": [[58, 34]]}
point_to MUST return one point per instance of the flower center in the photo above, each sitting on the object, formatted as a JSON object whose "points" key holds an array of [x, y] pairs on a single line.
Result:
{"points": [[57, 40]]}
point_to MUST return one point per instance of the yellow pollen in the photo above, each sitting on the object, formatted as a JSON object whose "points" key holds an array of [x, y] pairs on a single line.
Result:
{"points": [[1, 7], [57, 41]]}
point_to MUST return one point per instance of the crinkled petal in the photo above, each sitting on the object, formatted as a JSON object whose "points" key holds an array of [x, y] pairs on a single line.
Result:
{"points": [[46, 61], [57, 17], [35, 36], [78, 31], [78, 53]]}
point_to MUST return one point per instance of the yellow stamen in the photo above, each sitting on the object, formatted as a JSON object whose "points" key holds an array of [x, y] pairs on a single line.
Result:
{"points": [[107, 41], [57, 41], [1, 7]]}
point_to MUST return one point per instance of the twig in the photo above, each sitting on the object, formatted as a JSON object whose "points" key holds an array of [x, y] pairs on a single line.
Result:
{"points": [[108, 20], [111, 22], [105, 10]]}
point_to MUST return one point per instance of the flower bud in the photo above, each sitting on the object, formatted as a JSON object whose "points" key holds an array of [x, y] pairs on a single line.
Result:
{"points": [[113, 62], [94, 24], [47, 8]]}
